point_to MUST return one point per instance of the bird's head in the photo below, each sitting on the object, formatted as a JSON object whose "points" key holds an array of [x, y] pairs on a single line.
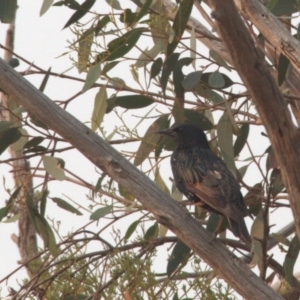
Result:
{"points": [[187, 135]]}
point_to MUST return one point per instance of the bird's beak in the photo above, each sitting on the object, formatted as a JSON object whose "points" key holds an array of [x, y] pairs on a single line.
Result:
{"points": [[168, 131]]}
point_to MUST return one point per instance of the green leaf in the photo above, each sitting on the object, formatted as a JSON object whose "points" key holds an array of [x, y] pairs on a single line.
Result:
{"points": [[178, 75], [207, 79], [148, 56], [160, 182], [19, 144], [180, 255], [114, 4], [283, 65], [3, 212], [9, 137], [180, 22], [253, 199], [34, 142], [85, 43], [191, 80], [151, 139], [125, 193], [72, 4], [218, 59], [80, 12], [100, 106], [101, 24], [156, 67], [109, 66], [45, 80], [66, 206], [216, 80], [285, 7], [99, 183], [45, 6], [290, 259], [242, 171], [214, 97], [111, 103], [133, 101], [276, 182], [8, 10], [51, 165], [168, 68], [14, 62], [271, 4], [43, 229], [241, 139], [281, 239], [144, 10], [101, 212], [91, 77], [131, 229], [224, 131], [257, 229], [271, 161], [4, 125], [152, 232], [120, 46], [257, 254], [198, 119], [212, 222], [12, 219]]}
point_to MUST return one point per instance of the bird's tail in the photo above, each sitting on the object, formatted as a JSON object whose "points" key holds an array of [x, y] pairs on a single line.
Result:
{"points": [[240, 230]]}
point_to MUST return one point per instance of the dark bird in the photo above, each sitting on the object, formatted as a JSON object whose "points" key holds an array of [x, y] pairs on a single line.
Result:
{"points": [[205, 179]]}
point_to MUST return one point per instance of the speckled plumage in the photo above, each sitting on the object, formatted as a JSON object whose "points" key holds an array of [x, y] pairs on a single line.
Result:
{"points": [[204, 178]]}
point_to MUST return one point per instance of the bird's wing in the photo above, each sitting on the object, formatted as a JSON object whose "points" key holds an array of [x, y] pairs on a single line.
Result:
{"points": [[213, 190]]}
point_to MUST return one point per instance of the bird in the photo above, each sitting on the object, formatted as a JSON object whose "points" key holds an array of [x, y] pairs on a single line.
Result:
{"points": [[205, 179]]}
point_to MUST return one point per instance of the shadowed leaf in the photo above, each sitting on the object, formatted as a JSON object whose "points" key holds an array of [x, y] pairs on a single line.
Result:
{"points": [[131, 229], [101, 212], [152, 232], [91, 77], [51, 165], [80, 12], [168, 67], [180, 22], [9, 137], [133, 101], [150, 140], [276, 182], [241, 139], [156, 67], [224, 130], [34, 142], [66, 206], [122, 45], [100, 107], [283, 65], [198, 119], [180, 255], [290, 259]]}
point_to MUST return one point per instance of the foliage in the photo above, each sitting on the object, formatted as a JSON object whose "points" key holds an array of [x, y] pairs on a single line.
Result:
{"points": [[138, 90]]}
